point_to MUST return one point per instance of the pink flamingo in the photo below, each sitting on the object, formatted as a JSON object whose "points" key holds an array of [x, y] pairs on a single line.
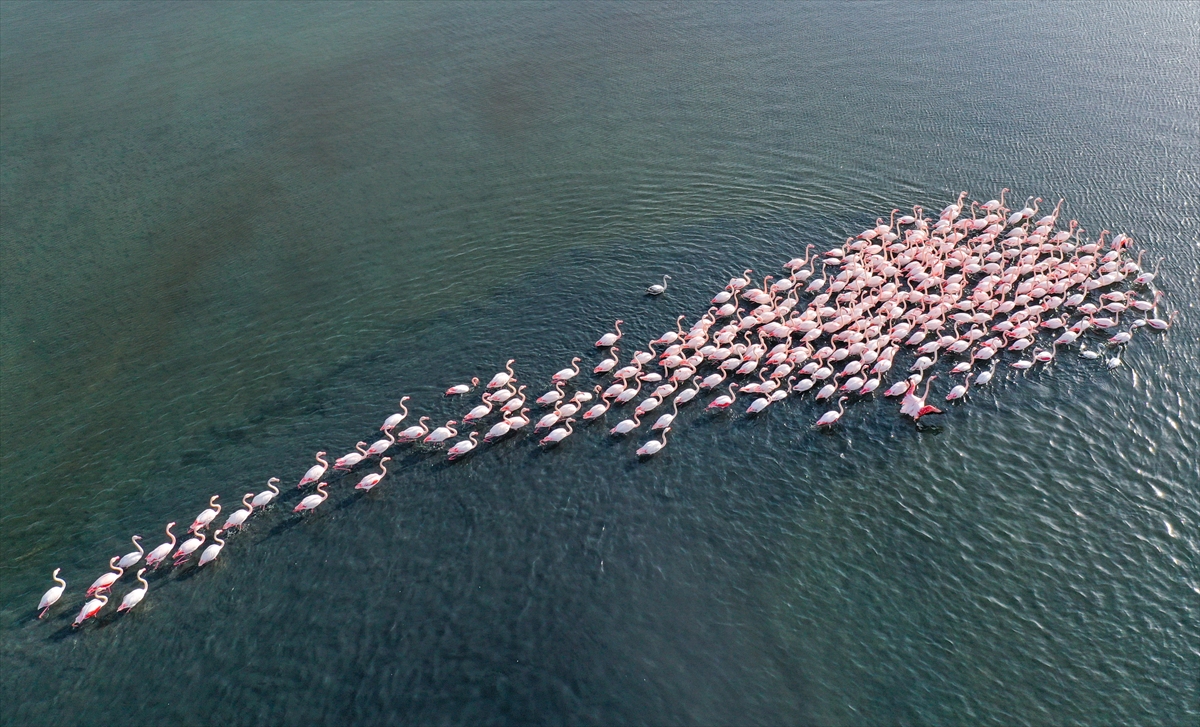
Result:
{"points": [[653, 446], [391, 422], [206, 516], [462, 447], [724, 401], [460, 389], [312, 501], [609, 339], [348, 461], [104, 582], [502, 378], [414, 432], [831, 417], [314, 473], [155, 557], [373, 479], [90, 609], [237, 519]]}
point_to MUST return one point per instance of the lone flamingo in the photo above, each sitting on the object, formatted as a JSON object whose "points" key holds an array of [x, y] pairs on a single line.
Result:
{"points": [[51, 596]]}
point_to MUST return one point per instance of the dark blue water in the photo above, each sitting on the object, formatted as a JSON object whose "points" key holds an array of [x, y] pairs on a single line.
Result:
{"points": [[235, 234]]}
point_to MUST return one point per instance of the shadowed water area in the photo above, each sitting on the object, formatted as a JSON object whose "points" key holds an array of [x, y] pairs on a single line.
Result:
{"points": [[234, 234]]}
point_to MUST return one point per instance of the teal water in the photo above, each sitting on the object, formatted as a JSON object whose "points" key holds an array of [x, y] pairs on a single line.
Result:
{"points": [[235, 234]]}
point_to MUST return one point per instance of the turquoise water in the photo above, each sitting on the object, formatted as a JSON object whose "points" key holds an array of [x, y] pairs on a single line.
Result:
{"points": [[235, 234]]}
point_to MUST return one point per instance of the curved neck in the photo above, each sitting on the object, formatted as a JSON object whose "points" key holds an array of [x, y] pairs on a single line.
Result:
{"points": [[247, 496], [323, 462], [138, 545], [58, 580], [321, 490], [217, 538], [403, 408], [142, 580], [271, 485], [508, 367], [171, 535]]}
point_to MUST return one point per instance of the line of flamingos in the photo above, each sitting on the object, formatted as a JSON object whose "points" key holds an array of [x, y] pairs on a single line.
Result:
{"points": [[963, 289]]}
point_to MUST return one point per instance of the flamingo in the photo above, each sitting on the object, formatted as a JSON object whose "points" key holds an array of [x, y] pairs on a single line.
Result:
{"points": [[135, 596], [758, 405], [959, 390], [130, 559], [314, 473], [349, 460], [237, 519], [499, 429], [648, 405], [441, 434], [188, 547], [985, 376], [50, 597], [657, 289], [515, 403], [724, 400], [264, 498], [597, 409], [915, 406], [312, 501], [391, 422], [665, 420], [460, 389], [502, 378], [155, 557], [105, 582], [626, 426], [520, 420], [555, 394], [1160, 324], [609, 339], [549, 420], [687, 395], [568, 373], [462, 447], [414, 432], [478, 412], [211, 552], [90, 609], [830, 417], [207, 515], [380, 446], [501, 395], [609, 363], [557, 435], [627, 395], [653, 446]]}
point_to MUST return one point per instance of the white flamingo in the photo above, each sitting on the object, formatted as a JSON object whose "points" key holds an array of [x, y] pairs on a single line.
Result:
{"points": [[50, 597], [135, 596]]}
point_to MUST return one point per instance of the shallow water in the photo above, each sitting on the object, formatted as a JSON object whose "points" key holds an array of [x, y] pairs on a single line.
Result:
{"points": [[233, 235]]}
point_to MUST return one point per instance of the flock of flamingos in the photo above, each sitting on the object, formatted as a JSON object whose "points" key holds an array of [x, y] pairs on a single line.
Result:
{"points": [[960, 288]]}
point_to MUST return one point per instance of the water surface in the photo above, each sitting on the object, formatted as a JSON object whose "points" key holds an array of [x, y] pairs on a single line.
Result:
{"points": [[236, 234]]}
